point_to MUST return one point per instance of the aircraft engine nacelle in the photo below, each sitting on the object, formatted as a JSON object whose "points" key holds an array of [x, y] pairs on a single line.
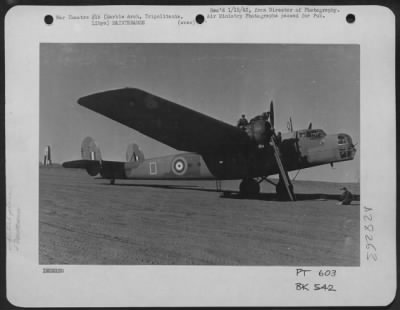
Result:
{"points": [[259, 130], [93, 168]]}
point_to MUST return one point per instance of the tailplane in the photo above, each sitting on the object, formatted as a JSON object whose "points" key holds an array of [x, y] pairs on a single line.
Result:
{"points": [[93, 163]]}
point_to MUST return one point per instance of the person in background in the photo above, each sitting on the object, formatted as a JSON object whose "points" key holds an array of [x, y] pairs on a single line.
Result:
{"points": [[346, 198]]}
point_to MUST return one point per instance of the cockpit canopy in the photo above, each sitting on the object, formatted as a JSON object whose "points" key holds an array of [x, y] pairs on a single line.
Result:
{"points": [[311, 133], [344, 139]]}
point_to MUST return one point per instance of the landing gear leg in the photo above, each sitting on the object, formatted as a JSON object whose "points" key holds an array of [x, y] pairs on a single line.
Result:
{"points": [[280, 188], [281, 191], [112, 181], [249, 187]]}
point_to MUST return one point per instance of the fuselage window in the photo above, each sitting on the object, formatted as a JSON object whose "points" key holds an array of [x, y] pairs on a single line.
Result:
{"points": [[315, 134]]}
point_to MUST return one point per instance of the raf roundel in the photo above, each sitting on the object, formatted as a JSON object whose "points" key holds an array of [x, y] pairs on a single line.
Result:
{"points": [[179, 166]]}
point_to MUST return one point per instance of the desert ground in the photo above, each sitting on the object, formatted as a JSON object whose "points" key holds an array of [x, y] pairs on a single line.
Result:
{"points": [[84, 220]]}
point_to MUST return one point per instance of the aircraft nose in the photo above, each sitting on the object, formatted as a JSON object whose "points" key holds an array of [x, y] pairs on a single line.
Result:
{"points": [[344, 139], [346, 145]]}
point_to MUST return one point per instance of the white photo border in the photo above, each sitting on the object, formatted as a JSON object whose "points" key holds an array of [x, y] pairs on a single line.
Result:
{"points": [[371, 284]]}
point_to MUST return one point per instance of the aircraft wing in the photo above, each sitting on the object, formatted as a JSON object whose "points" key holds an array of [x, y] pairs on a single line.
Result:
{"points": [[170, 123]]}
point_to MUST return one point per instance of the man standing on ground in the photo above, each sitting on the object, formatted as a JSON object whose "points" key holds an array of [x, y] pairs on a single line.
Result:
{"points": [[346, 198]]}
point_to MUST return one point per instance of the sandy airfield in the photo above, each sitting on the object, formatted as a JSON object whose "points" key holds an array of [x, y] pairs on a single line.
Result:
{"points": [[84, 220]]}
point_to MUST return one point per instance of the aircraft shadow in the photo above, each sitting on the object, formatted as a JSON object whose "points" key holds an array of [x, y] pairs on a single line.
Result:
{"points": [[236, 195], [166, 186], [299, 196]]}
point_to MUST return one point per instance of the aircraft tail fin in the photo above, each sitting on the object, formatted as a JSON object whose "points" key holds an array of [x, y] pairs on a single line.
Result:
{"points": [[90, 150], [134, 154], [93, 163]]}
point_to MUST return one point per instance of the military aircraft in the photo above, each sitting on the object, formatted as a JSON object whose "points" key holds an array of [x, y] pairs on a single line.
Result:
{"points": [[213, 149]]}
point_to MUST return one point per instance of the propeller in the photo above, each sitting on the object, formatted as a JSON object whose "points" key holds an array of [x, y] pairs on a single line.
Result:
{"points": [[310, 126], [354, 147], [271, 113]]}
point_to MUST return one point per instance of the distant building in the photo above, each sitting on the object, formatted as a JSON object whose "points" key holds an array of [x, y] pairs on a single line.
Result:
{"points": [[47, 156]]}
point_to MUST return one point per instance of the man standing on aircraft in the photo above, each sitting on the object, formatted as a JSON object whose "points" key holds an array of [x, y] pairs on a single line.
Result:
{"points": [[279, 138], [346, 198], [242, 123]]}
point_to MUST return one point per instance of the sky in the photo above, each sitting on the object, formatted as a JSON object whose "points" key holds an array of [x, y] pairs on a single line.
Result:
{"points": [[309, 83]]}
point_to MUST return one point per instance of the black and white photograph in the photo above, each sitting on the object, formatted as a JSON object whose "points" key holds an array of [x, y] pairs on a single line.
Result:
{"points": [[199, 154], [171, 156]]}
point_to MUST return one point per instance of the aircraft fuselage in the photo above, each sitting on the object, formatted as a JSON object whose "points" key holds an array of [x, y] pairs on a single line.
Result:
{"points": [[299, 149]]}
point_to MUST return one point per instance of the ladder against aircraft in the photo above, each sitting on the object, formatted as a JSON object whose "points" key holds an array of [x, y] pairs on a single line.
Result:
{"points": [[285, 186], [261, 130]]}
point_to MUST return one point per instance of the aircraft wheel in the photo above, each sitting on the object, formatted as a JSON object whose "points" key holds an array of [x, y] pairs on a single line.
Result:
{"points": [[112, 181], [249, 187], [242, 187], [254, 187]]}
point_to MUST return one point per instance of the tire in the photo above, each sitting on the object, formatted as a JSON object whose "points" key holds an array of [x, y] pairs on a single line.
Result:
{"points": [[249, 187], [242, 187], [253, 187]]}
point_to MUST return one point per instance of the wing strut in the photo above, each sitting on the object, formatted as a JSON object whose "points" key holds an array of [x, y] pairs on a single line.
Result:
{"points": [[284, 181], [218, 185]]}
